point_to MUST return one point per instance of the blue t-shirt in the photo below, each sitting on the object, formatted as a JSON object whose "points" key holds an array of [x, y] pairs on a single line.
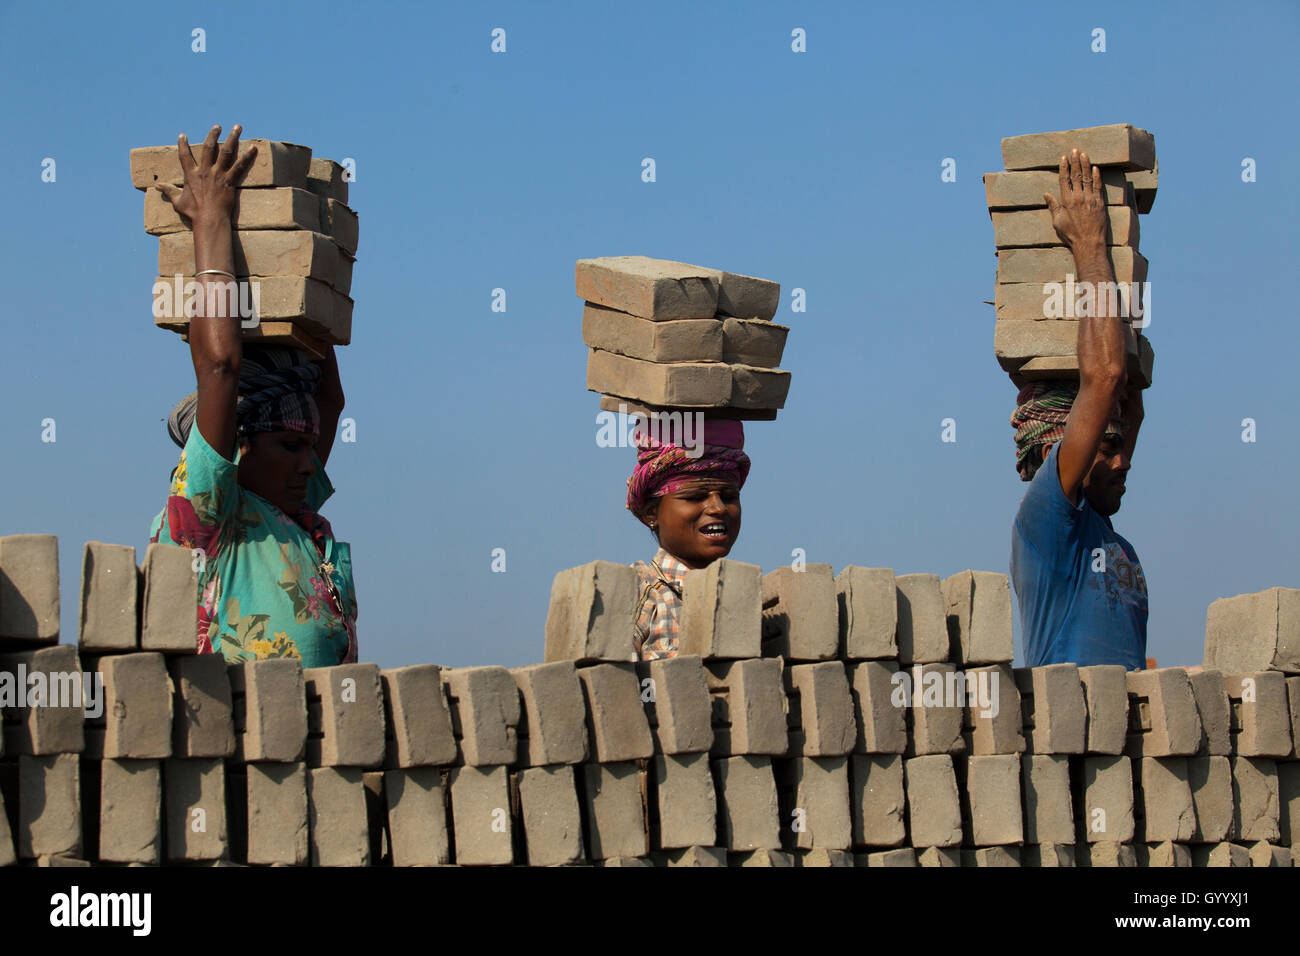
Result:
{"points": [[1076, 606]]}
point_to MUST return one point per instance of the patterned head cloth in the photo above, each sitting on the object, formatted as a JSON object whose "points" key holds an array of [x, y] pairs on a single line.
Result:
{"points": [[1042, 409], [276, 383], [663, 467]]}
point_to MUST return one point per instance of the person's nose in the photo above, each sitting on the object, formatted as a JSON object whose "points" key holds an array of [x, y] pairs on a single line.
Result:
{"points": [[307, 462], [1122, 464], [714, 504]]}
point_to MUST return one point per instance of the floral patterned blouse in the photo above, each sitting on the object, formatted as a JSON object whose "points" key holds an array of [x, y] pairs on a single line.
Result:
{"points": [[270, 585]]}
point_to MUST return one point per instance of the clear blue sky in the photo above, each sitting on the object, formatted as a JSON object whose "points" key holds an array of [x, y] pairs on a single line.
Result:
{"points": [[819, 170]]}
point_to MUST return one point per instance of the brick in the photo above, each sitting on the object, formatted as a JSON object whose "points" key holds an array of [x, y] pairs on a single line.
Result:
{"points": [[195, 804], [260, 252], [1106, 810], [278, 827], [169, 604], [61, 861], [1025, 189], [108, 618], [1061, 300], [1045, 788], [820, 710], [591, 613], [800, 613], [202, 722], [992, 717], [651, 288], [637, 860], [922, 619], [1293, 704], [904, 856], [868, 613], [1015, 342], [416, 803], [1163, 721], [813, 802], [339, 829], [753, 342], [722, 611], [1119, 144], [877, 800], [1145, 183], [1210, 780], [935, 709], [345, 716], [1288, 787], [746, 297], [1214, 711], [1033, 227], [1162, 796], [52, 680], [1266, 854], [679, 385], [137, 706], [49, 806], [1054, 713], [991, 799], [1047, 854], [754, 387], [1166, 854], [29, 588], [1255, 799], [674, 340], [1105, 853], [287, 208], [619, 729], [933, 807], [276, 164], [1054, 263], [311, 305], [7, 855], [991, 856], [327, 178], [485, 713], [417, 718], [548, 797], [1261, 722], [761, 858], [1250, 632], [747, 803], [1105, 695], [749, 707], [679, 708], [130, 811], [692, 856], [339, 222], [684, 806], [615, 823], [823, 857], [553, 717], [881, 724], [269, 701], [1220, 854], [930, 856], [978, 606]]}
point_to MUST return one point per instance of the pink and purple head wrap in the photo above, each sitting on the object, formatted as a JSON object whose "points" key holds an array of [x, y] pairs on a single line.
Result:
{"points": [[663, 467]]}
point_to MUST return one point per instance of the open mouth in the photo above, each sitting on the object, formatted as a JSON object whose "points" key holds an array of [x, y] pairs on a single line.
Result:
{"points": [[715, 530]]}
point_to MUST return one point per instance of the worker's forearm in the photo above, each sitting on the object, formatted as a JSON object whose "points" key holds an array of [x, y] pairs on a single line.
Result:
{"points": [[1101, 349], [215, 338]]}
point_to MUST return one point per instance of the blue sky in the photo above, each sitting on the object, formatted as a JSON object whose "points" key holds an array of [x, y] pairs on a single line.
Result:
{"points": [[819, 170]]}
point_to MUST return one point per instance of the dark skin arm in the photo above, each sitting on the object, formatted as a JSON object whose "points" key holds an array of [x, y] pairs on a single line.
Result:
{"points": [[329, 399]]}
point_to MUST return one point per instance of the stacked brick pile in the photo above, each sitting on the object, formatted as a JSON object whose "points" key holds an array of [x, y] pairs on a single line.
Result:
{"points": [[1029, 345], [667, 335], [295, 238], [780, 736]]}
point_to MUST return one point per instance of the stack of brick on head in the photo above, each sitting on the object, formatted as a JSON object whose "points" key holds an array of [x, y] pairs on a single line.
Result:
{"points": [[691, 351]]}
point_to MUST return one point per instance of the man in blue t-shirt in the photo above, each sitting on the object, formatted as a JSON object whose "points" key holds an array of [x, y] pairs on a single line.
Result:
{"points": [[1082, 593]]}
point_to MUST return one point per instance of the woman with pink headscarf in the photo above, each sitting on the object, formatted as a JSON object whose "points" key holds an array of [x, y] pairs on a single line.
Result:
{"points": [[689, 497]]}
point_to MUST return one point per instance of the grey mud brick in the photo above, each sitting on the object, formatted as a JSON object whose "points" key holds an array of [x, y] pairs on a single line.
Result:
{"points": [[722, 611], [978, 607], [1293, 704], [614, 817], [49, 806], [1053, 710], [746, 297], [1119, 144], [749, 707], [991, 856], [993, 713], [339, 829], [933, 807], [203, 721], [1165, 854], [485, 714], [260, 252], [168, 608], [1288, 789], [903, 856], [1247, 633], [1266, 854], [922, 619], [345, 716], [1045, 789], [1015, 341], [590, 608], [1047, 854], [868, 613], [278, 828], [1024, 189], [1106, 810], [1220, 854], [130, 811], [7, 855], [753, 342], [685, 803], [1105, 693], [1163, 798], [61, 861], [1261, 720], [936, 708], [416, 800], [800, 613], [1053, 264], [820, 857], [679, 708], [194, 802], [758, 388], [29, 588], [747, 803], [417, 718], [991, 799], [1163, 721], [553, 716], [552, 821], [937, 856], [1214, 710], [1145, 183], [877, 800], [615, 717], [372, 781], [283, 209], [631, 861], [137, 706], [1210, 780], [312, 305], [676, 340], [680, 385], [650, 288], [1033, 228], [109, 618], [1105, 853], [1255, 800], [339, 222], [327, 178], [813, 802], [276, 163], [270, 709], [692, 856], [881, 719], [761, 858], [1044, 301], [50, 678], [820, 710]]}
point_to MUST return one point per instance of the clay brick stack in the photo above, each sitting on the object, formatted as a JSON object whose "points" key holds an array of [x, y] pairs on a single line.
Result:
{"points": [[1029, 345], [295, 238], [671, 336]]}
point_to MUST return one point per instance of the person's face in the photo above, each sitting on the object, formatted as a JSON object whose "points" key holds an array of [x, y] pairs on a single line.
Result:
{"points": [[1104, 484], [276, 466], [698, 523]]}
